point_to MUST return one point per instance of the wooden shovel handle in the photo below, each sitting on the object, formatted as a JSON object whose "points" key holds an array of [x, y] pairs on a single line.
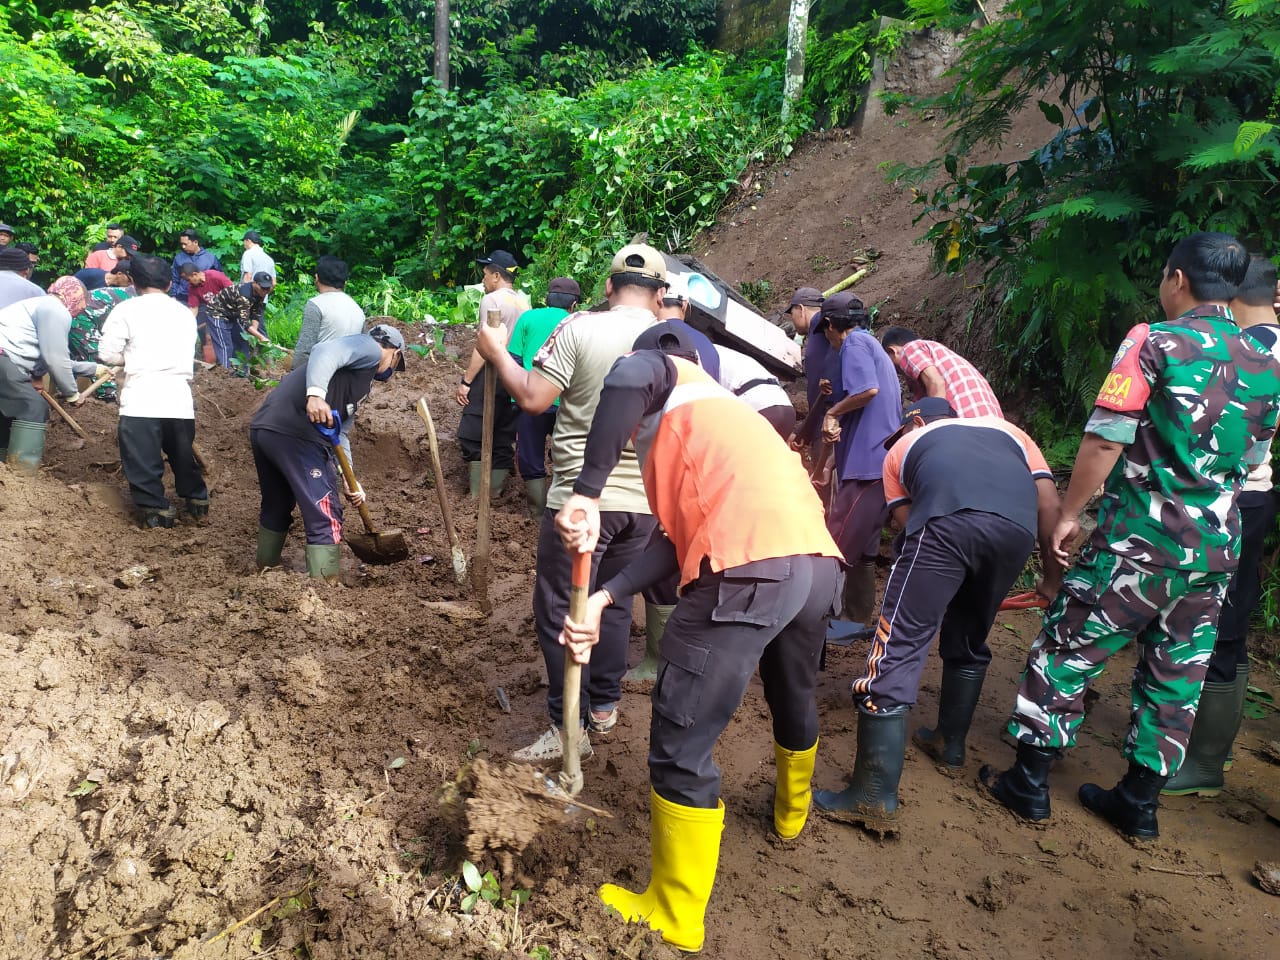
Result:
{"points": [[438, 469], [64, 415], [580, 585], [349, 475]]}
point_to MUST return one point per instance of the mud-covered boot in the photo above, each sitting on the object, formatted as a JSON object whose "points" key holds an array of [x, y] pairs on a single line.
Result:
{"points": [[535, 495], [871, 799], [1024, 787], [156, 518], [324, 560], [1130, 806], [656, 616], [26, 445], [270, 546], [1216, 724], [496, 479], [197, 509], [961, 688]]}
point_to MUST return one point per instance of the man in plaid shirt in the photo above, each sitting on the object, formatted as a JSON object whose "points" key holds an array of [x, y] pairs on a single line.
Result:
{"points": [[932, 370]]}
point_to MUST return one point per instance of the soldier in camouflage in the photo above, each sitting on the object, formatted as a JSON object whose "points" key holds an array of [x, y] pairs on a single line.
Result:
{"points": [[1189, 404]]}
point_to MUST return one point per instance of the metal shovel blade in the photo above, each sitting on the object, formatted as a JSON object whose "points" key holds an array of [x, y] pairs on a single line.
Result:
{"points": [[381, 547]]}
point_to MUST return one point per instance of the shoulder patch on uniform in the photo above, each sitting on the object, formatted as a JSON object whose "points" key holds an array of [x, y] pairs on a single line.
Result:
{"points": [[1126, 389]]}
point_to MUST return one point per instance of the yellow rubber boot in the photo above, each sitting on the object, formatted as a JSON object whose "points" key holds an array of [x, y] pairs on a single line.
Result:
{"points": [[684, 845], [792, 793]]}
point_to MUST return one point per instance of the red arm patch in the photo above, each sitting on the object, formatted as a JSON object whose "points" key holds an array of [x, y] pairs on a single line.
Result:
{"points": [[1126, 389]]}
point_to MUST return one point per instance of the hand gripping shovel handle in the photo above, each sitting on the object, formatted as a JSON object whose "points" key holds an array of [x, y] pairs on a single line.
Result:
{"points": [[334, 435], [571, 770]]}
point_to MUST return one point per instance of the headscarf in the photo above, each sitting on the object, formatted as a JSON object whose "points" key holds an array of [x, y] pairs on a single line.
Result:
{"points": [[71, 292]]}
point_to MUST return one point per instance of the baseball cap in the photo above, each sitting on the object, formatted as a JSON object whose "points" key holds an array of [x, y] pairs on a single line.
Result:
{"points": [[677, 289], [805, 297], [11, 258], [641, 260], [130, 245], [926, 408], [565, 285], [265, 280], [5, 228], [500, 259], [389, 336], [253, 235], [669, 337]]}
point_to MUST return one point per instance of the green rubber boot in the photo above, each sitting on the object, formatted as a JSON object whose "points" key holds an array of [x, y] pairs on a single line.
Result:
{"points": [[26, 445], [1217, 722], [270, 546], [323, 560], [496, 479], [535, 494], [656, 616]]}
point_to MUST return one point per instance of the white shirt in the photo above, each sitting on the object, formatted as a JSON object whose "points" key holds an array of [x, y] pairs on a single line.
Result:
{"points": [[256, 260], [737, 369], [154, 336]]}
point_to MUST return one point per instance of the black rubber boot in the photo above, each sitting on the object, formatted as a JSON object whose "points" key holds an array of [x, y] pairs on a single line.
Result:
{"points": [[197, 510], [1024, 787], [1130, 806], [1215, 728], [871, 799], [961, 688], [154, 517]]}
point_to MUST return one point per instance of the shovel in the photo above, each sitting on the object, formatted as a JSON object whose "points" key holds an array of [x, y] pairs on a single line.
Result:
{"points": [[455, 544], [571, 771], [373, 546]]}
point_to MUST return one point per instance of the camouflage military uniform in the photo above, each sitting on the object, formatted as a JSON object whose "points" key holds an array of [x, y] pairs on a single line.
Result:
{"points": [[1193, 401]]}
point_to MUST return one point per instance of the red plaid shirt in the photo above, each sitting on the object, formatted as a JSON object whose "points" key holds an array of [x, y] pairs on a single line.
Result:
{"points": [[967, 390]]}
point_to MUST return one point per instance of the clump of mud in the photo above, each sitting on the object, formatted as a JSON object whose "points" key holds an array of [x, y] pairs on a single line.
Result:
{"points": [[501, 811]]}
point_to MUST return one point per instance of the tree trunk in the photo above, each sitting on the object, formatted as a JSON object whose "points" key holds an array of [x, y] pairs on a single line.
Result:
{"points": [[797, 31], [442, 44]]}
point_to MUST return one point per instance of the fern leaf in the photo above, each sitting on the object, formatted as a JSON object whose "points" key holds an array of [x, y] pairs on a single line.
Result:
{"points": [[1250, 132]]}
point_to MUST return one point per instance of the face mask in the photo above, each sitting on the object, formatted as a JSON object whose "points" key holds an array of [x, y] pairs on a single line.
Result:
{"points": [[385, 375]]}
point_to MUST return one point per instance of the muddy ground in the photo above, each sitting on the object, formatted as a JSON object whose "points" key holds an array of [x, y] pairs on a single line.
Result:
{"points": [[216, 763]]}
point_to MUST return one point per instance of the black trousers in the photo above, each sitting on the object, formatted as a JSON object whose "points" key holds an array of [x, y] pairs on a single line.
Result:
{"points": [[623, 537], [145, 442], [471, 425], [951, 577], [1231, 649], [771, 613]]}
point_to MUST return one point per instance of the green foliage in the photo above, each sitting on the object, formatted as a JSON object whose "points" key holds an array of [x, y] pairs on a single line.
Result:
{"points": [[486, 888], [838, 67], [568, 179], [1164, 128]]}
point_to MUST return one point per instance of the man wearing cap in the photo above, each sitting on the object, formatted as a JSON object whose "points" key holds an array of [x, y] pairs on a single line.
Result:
{"points": [[204, 288], [152, 338], [571, 366], [294, 462], [803, 311], [255, 260], [532, 430], [240, 309], [123, 250], [933, 370], [33, 333], [758, 580], [15, 270], [972, 496], [331, 313], [500, 295], [6, 235], [866, 407]]}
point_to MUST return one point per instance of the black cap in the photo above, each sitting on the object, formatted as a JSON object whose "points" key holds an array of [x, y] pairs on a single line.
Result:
{"points": [[565, 285], [5, 228], [265, 280], [500, 259], [806, 297], [130, 245], [669, 336], [926, 408], [253, 235]]}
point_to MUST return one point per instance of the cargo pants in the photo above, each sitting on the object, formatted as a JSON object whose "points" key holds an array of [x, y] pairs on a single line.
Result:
{"points": [[1107, 601]]}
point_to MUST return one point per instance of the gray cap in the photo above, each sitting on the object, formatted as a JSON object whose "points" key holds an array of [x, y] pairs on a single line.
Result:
{"points": [[389, 336]]}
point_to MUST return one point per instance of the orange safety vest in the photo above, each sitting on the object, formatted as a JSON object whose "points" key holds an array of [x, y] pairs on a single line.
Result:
{"points": [[722, 483]]}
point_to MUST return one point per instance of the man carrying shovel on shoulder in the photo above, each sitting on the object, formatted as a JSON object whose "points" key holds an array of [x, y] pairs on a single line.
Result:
{"points": [[293, 458]]}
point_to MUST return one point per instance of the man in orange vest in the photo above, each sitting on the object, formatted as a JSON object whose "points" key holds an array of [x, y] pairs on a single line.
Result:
{"points": [[757, 585]]}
